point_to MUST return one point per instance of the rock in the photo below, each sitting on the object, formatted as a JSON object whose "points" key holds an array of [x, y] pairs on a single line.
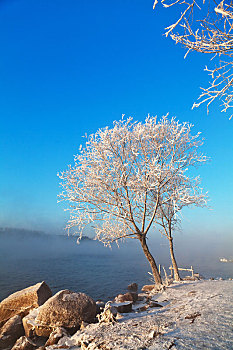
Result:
{"points": [[130, 296], [143, 297], [190, 278], [24, 343], [21, 302], [133, 287], [119, 316], [56, 335], [121, 298], [192, 292], [192, 316], [39, 341], [153, 303], [65, 309], [10, 332], [148, 287], [135, 296], [124, 307], [83, 325], [33, 329], [29, 323], [143, 308], [197, 275], [100, 305], [153, 334]]}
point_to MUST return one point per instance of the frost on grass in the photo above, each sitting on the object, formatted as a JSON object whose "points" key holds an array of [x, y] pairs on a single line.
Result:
{"points": [[195, 315]]}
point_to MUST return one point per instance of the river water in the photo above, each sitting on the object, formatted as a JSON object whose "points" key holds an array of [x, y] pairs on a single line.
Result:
{"points": [[91, 268]]}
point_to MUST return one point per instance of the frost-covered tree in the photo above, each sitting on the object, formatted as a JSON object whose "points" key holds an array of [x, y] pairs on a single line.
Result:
{"points": [[119, 177], [185, 192], [206, 27]]}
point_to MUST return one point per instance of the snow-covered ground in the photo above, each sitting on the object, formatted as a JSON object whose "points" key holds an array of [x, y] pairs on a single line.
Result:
{"points": [[195, 315]]}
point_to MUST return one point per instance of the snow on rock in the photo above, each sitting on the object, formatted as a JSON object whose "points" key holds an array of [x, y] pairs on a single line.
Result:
{"points": [[195, 315], [56, 335], [24, 343], [66, 309]]}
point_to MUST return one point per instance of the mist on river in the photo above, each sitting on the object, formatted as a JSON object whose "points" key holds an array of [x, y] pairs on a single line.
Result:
{"points": [[29, 257]]}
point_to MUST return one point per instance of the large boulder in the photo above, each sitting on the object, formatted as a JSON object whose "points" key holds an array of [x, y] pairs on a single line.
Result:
{"points": [[21, 302], [10, 332], [66, 309]]}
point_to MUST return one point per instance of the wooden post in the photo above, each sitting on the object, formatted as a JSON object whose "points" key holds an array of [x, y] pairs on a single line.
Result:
{"points": [[192, 271], [159, 269], [171, 268]]}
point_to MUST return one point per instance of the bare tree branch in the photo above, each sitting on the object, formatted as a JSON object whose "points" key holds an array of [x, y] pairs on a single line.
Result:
{"points": [[207, 28]]}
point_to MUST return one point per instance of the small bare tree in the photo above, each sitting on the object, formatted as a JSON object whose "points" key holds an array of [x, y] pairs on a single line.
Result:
{"points": [[122, 172], [206, 27], [184, 192]]}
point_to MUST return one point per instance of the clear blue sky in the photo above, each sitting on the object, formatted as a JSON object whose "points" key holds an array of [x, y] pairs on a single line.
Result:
{"points": [[70, 67]]}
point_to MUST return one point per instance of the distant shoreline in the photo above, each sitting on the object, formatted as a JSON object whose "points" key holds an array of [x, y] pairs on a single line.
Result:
{"points": [[11, 231]]}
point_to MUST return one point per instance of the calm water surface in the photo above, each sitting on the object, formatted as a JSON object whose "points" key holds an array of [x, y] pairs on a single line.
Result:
{"points": [[89, 267]]}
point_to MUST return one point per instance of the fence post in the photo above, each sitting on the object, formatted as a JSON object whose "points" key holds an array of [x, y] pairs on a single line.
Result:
{"points": [[172, 272], [192, 271]]}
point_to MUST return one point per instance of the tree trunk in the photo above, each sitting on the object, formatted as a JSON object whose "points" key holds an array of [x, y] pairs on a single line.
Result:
{"points": [[151, 260], [174, 264]]}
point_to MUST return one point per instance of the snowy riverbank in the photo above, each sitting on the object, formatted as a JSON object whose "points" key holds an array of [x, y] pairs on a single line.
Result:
{"points": [[195, 315]]}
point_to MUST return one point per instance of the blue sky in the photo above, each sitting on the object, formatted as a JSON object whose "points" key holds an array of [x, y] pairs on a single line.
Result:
{"points": [[70, 67]]}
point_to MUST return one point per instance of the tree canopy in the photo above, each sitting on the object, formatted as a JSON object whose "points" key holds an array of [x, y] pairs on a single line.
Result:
{"points": [[124, 175]]}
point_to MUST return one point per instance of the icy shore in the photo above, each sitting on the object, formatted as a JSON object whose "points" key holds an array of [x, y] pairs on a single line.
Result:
{"points": [[195, 315]]}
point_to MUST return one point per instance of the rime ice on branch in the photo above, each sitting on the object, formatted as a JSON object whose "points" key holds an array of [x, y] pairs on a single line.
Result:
{"points": [[206, 27], [184, 192], [124, 174]]}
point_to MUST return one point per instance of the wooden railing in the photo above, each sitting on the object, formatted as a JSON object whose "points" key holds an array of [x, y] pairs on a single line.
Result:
{"points": [[181, 269]]}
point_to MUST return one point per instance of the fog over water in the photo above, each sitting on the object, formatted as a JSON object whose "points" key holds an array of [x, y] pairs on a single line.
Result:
{"points": [[27, 258]]}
